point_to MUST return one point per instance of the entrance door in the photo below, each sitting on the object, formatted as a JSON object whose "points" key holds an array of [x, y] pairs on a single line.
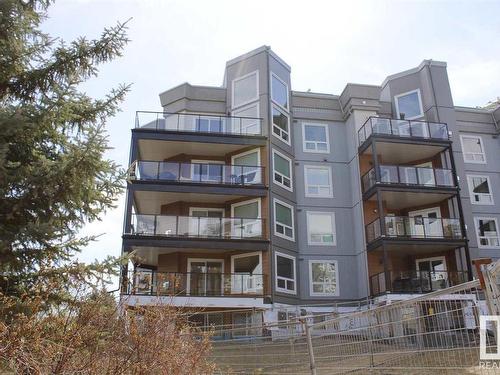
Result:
{"points": [[205, 277], [425, 174], [246, 219], [205, 222], [433, 272], [246, 272], [426, 223], [207, 171], [245, 169]]}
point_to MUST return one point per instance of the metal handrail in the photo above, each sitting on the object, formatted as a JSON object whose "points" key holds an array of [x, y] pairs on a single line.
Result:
{"points": [[194, 226], [363, 137], [144, 282], [401, 180], [236, 125], [415, 281], [232, 174], [407, 230]]}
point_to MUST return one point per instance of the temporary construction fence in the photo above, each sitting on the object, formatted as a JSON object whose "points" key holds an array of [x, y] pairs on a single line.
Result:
{"points": [[432, 333]]}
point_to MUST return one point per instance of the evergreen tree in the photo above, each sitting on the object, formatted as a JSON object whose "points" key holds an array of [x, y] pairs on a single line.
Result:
{"points": [[53, 174]]}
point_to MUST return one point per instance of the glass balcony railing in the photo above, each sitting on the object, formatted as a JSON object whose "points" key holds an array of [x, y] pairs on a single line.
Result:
{"points": [[414, 227], [195, 284], [403, 128], [208, 173], [197, 123], [191, 226], [415, 281], [417, 176]]}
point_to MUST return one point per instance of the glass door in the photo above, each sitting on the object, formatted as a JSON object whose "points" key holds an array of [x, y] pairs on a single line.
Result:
{"points": [[206, 222], [425, 174], [433, 271], [207, 171], [205, 277], [426, 223], [245, 169], [244, 222]]}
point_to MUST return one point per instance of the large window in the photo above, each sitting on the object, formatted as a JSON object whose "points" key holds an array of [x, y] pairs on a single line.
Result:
{"points": [[487, 232], [285, 273], [318, 181], [409, 104], [315, 138], [282, 170], [321, 228], [480, 190], [283, 220], [281, 124], [473, 150], [279, 91], [323, 278], [245, 89]]}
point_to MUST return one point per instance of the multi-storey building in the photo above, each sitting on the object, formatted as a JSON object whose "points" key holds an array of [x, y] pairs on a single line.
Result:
{"points": [[253, 196]]}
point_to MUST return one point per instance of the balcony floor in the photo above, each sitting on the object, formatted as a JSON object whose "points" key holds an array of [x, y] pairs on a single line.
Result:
{"points": [[400, 196], [414, 245], [220, 302]]}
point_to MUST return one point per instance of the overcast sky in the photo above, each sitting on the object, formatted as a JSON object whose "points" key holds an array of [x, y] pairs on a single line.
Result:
{"points": [[327, 44]]}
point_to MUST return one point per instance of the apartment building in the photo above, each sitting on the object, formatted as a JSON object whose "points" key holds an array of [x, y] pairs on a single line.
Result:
{"points": [[255, 197]]}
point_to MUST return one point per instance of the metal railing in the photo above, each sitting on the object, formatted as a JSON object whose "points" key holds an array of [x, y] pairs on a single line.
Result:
{"points": [[414, 227], [208, 173], [198, 123], [198, 284], [193, 226], [415, 281], [415, 176], [402, 128]]}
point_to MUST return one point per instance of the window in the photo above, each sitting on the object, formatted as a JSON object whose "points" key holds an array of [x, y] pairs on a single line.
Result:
{"points": [[282, 170], [323, 278], [472, 147], [245, 89], [318, 181], [409, 104], [281, 125], [479, 190], [279, 91], [283, 220], [315, 138], [321, 228], [285, 273], [487, 232], [246, 167]]}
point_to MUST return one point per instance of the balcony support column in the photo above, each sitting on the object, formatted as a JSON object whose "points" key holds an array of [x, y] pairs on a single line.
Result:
{"points": [[461, 214], [387, 273], [130, 195]]}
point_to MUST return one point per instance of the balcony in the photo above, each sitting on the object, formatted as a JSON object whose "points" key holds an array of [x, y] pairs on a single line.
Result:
{"points": [[195, 284], [197, 227], [403, 129], [198, 123], [197, 173], [415, 281], [404, 227], [408, 177]]}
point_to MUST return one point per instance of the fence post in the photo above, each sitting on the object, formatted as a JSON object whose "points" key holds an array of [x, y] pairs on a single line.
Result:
{"points": [[310, 349]]}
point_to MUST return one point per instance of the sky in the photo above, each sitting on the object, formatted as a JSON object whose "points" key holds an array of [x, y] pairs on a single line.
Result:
{"points": [[327, 43]]}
